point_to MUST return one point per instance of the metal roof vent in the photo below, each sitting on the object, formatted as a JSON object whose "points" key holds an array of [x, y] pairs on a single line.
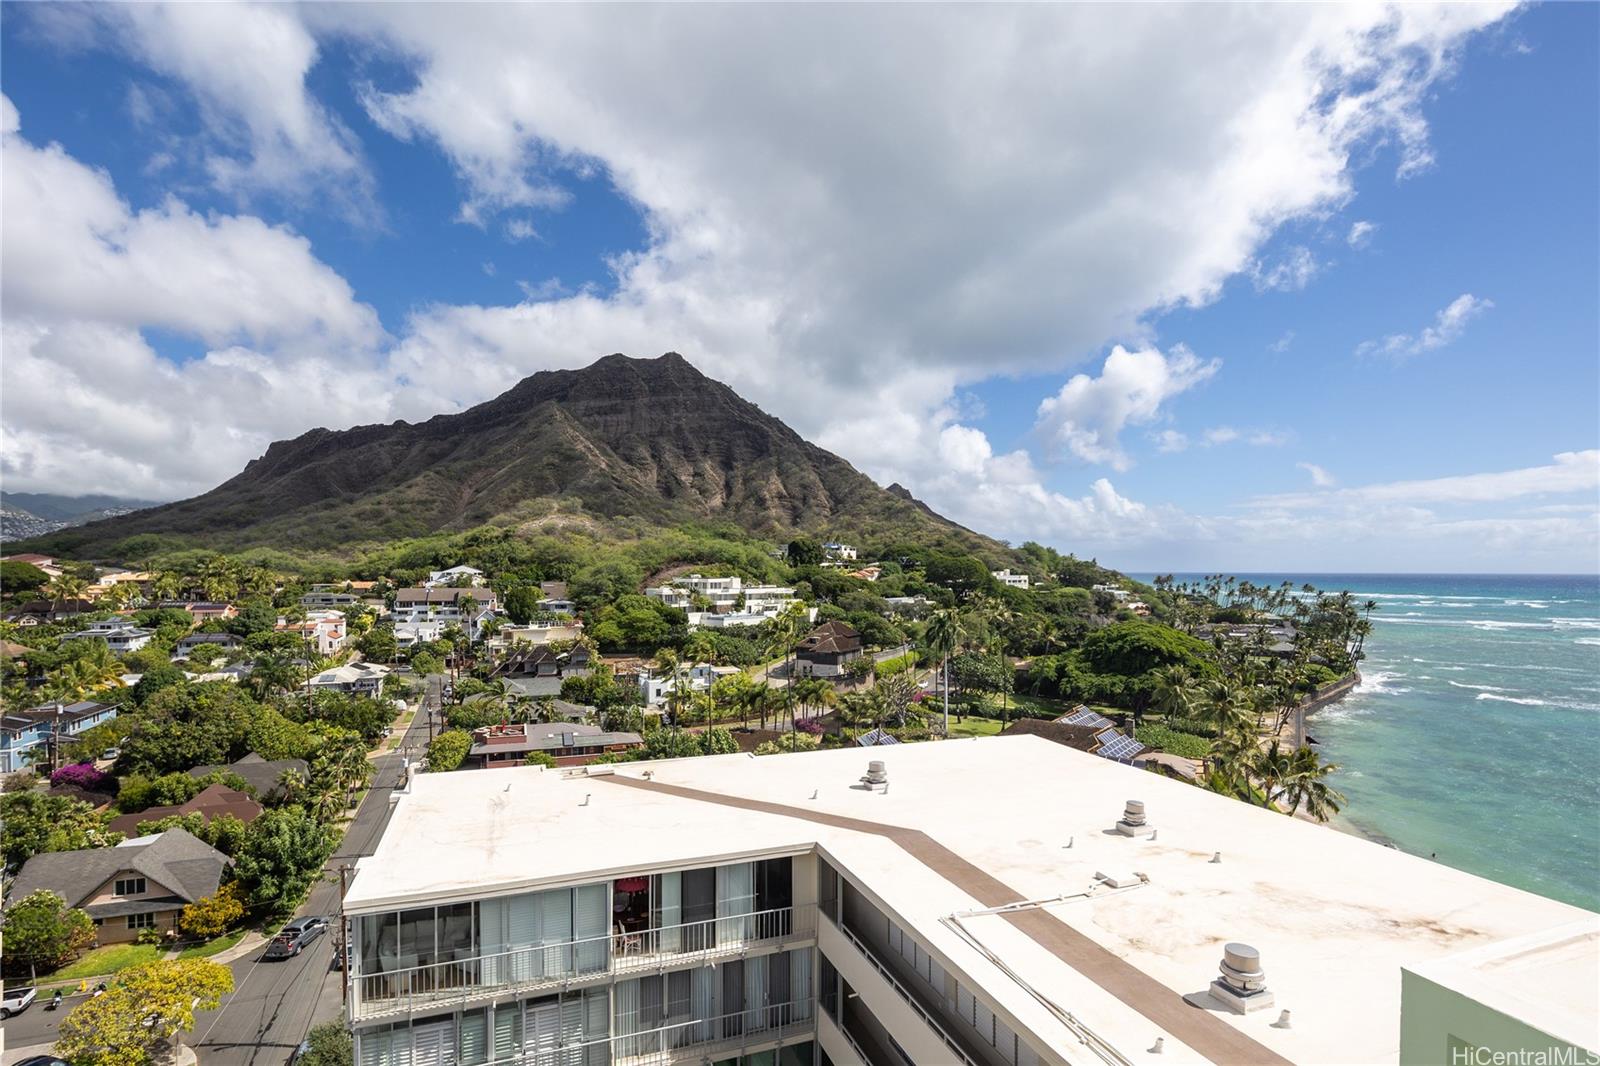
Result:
{"points": [[877, 775], [1132, 822], [1242, 987]]}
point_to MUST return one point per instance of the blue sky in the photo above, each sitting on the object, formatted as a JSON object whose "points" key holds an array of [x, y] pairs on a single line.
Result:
{"points": [[1302, 289]]}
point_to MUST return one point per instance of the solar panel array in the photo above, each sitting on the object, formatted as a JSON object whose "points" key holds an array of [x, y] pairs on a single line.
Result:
{"points": [[877, 738], [1084, 716], [1115, 746]]}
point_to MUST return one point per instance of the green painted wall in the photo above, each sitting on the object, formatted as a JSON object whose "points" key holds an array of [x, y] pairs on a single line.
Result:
{"points": [[1442, 1027]]}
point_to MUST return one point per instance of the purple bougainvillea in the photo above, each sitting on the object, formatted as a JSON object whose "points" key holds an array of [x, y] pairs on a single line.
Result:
{"points": [[83, 775]]}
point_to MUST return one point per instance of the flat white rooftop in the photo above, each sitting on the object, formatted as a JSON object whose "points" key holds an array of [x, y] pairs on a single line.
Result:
{"points": [[1335, 917]]}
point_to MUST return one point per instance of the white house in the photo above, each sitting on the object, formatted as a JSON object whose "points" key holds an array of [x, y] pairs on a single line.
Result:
{"points": [[836, 550], [1113, 591], [454, 576], [726, 595], [118, 633], [324, 630], [364, 679], [698, 677], [421, 614], [1006, 577]]}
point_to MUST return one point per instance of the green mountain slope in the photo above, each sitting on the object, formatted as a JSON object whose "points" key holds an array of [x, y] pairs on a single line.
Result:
{"points": [[636, 441]]}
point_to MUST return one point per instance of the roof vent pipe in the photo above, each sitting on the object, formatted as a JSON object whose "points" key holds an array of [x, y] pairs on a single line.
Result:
{"points": [[1132, 823], [877, 774], [1242, 988]]}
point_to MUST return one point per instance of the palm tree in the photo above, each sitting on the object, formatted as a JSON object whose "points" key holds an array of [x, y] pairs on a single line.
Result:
{"points": [[273, 672], [66, 587], [941, 637], [1272, 767], [259, 581], [290, 785], [1229, 708], [219, 578], [1306, 784], [1173, 695], [166, 585]]}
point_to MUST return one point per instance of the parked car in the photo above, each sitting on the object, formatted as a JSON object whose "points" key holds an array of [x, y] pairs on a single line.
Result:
{"points": [[293, 938], [42, 1060], [111, 754], [15, 1001]]}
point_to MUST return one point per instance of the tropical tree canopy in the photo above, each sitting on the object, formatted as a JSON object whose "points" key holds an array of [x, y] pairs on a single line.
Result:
{"points": [[133, 1023]]}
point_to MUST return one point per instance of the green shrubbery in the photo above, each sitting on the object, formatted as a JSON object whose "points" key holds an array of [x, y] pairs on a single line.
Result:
{"points": [[1186, 745]]}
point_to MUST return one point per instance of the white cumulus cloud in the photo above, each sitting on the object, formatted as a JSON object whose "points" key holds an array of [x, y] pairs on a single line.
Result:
{"points": [[1447, 327], [1086, 417]]}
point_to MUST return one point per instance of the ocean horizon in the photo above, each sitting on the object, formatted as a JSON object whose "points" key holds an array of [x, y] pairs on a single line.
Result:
{"points": [[1474, 735]]}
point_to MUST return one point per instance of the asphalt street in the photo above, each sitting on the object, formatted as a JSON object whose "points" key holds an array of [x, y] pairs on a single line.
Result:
{"points": [[274, 1004]]}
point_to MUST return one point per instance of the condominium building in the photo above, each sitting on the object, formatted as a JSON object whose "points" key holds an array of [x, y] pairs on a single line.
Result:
{"points": [[994, 902]]}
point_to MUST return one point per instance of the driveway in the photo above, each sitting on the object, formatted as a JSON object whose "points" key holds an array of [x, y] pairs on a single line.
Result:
{"points": [[274, 1004]]}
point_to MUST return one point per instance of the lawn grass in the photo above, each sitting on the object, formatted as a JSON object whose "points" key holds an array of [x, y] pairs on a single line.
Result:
{"points": [[211, 947], [109, 959], [974, 727]]}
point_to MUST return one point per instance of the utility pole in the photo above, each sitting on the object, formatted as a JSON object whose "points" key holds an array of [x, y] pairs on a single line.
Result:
{"points": [[344, 937]]}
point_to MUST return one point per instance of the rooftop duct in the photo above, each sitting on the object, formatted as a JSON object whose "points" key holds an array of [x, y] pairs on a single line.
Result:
{"points": [[1242, 987], [1132, 822]]}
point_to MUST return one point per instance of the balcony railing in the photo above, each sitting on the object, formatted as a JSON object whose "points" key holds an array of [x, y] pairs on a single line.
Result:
{"points": [[441, 984], [959, 1053]]}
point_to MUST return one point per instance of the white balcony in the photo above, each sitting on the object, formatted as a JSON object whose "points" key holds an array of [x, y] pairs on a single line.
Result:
{"points": [[576, 963]]}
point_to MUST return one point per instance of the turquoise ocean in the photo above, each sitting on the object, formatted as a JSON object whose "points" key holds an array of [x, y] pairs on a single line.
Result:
{"points": [[1474, 736]]}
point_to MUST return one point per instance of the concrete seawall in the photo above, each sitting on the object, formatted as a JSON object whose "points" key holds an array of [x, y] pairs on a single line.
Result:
{"points": [[1332, 692]]}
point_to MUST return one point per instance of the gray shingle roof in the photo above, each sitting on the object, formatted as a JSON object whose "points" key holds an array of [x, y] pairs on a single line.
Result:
{"points": [[186, 867], [260, 774]]}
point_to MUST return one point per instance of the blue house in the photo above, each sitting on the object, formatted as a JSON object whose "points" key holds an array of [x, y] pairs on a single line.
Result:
{"points": [[25, 736]]}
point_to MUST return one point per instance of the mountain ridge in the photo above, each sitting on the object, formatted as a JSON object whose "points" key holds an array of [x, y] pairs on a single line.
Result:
{"points": [[622, 440]]}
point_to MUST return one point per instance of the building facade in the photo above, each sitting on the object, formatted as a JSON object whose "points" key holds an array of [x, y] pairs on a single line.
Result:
{"points": [[786, 909]]}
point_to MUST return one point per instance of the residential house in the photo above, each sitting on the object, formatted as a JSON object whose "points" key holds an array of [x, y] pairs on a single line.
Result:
{"points": [[140, 884], [843, 552], [1114, 591], [468, 608], [213, 801], [47, 563], [554, 590], [456, 576], [324, 630], [908, 604], [723, 594], [225, 642], [698, 678], [23, 739], [203, 610], [827, 651], [37, 612], [264, 776], [541, 632], [118, 633], [538, 660], [28, 737], [783, 911], [553, 606], [361, 678], [870, 572], [1007, 578], [325, 597], [569, 743]]}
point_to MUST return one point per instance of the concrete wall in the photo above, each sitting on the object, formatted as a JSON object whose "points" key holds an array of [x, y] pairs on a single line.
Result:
{"points": [[1442, 1027]]}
